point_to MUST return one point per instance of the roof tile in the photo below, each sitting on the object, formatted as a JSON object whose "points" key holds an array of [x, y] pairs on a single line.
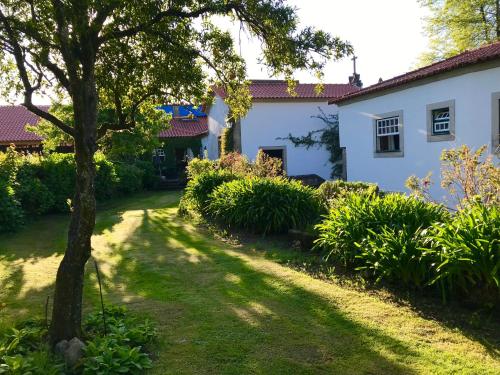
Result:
{"points": [[276, 89], [480, 55], [13, 120]]}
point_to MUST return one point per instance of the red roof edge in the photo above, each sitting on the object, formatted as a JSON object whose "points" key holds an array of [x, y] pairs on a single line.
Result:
{"points": [[480, 55]]}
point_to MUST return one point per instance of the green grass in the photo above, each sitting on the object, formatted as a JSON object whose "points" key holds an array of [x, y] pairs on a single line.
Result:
{"points": [[227, 309]]}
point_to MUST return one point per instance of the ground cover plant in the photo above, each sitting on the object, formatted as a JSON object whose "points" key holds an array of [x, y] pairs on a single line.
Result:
{"points": [[230, 308], [119, 347]]}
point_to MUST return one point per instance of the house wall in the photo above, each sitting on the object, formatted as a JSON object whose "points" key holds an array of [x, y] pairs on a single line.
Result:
{"points": [[472, 94], [216, 122], [267, 121]]}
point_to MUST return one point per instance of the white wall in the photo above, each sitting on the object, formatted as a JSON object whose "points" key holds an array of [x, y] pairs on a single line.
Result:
{"points": [[473, 104], [268, 121], [216, 122]]}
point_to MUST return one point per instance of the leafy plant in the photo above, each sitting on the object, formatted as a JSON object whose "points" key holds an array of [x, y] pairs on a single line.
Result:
{"points": [[468, 250], [198, 166], [397, 256], [355, 217], [264, 205], [267, 166], [467, 175], [199, 188], [106, 355], [332, 191]]}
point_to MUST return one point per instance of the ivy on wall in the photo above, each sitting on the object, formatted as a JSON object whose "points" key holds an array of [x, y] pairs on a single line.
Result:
{"points": [[227, 140], [327, 137]]}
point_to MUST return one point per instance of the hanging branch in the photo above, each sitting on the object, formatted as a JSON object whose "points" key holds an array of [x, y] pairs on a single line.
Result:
{"points": [[327, 137]]}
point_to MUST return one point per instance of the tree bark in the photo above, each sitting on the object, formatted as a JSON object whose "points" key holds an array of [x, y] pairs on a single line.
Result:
{"points": [[67, 306]]}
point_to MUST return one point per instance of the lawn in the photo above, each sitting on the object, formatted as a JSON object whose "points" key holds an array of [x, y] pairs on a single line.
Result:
{"points": [[227, 309]]}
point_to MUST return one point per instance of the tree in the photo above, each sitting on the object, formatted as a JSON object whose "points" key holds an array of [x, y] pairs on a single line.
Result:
{"points": [[455, 26], [123, 57]]}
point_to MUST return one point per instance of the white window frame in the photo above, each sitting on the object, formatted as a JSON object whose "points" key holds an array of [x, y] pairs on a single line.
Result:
{"points": [[389, 128], [441, 135], [159, 152]]}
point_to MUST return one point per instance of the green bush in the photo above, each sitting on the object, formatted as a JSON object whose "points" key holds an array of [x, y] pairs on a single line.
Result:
{"points": [[198, 166], [57, 171], [11, 213], [357, 216], [34, 196], [331, 191], [468, 251], [396, 256], [264, 205], [129, 178], [150, 180], [201, 186], [106, 179]]}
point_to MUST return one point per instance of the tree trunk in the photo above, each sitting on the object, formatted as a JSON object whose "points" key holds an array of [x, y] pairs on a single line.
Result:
{"points": [[67, 306]]}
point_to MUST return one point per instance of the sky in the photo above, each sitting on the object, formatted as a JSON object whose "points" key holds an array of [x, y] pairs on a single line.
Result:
{"points": [[387, 36]]}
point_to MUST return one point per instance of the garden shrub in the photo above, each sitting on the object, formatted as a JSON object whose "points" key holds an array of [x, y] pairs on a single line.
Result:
{"points": [[198, 166], [11, 214], [357, 216], [199, 188], [106, 179], [468, 250], [236, 163], [396, 256], [331, 191], [266, 166], [129, 178], [58, 174], [264, 205], [150, 180]]}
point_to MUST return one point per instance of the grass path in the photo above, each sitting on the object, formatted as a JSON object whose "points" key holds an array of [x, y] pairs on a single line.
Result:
{"points": [[231, 310]]}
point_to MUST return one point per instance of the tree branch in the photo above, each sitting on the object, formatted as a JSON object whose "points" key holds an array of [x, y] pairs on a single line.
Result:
{"points": [[169, 13]]}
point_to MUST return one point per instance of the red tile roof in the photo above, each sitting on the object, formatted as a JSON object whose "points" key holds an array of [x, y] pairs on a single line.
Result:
{"points": [[185, 128], [276, 89], [480, 55], [13, 120]]}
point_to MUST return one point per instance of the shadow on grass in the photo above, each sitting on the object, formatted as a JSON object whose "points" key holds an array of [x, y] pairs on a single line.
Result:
{"points": [[233, 318], [38, 247]]}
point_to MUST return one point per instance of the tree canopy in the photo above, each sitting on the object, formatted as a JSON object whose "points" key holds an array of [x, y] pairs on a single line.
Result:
{"points": [[122, 58], [455, 26]]}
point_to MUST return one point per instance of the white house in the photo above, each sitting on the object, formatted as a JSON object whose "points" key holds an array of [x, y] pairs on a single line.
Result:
{"points": [[275, 114], [399, 127]]}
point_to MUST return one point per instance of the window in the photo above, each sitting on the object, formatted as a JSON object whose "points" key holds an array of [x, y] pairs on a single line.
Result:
{"points": [[159, 152], [389, 135], [495, 122], [441, 121]]}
